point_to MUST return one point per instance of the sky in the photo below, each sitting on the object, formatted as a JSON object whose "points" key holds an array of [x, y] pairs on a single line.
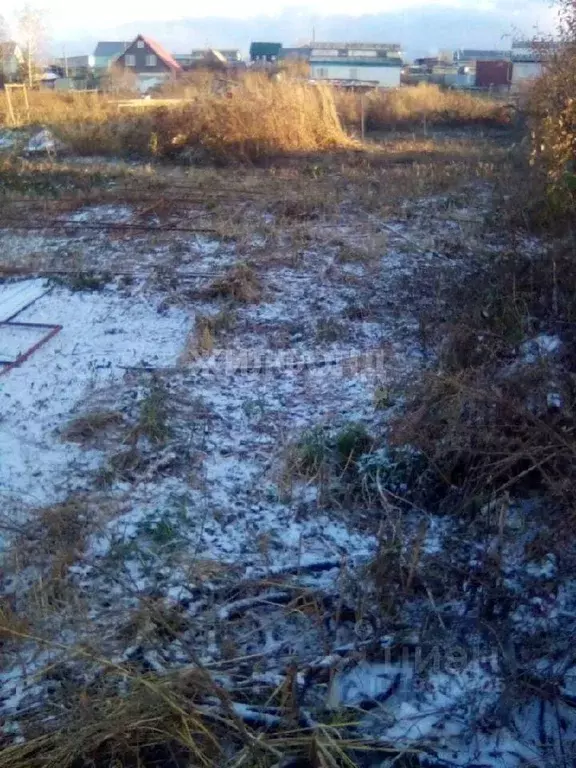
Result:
{"points": [[78, 24]]}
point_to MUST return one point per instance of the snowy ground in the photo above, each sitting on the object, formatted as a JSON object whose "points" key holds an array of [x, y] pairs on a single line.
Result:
{"points": [[202, 522]]}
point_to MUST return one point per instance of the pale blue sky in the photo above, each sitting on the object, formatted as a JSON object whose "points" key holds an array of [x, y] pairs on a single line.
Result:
{"points": [[420, 26], [68, 15]]}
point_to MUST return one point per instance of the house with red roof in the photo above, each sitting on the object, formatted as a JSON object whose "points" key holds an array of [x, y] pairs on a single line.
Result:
{"points": [[149, 61]]}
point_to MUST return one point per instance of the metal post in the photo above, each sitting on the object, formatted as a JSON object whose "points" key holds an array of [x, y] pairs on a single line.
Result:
{"points": [[363, 115]]}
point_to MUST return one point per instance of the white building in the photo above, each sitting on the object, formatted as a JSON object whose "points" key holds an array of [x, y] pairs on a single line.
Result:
{"points": [[529, 60], [376, 64]]}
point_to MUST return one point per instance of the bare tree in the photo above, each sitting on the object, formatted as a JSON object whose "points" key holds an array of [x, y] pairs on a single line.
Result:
{"points": [[120, 80], [32, 32]]}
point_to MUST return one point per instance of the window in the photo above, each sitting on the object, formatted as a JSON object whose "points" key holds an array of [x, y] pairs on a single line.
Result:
{"points": [[130, 60], [151, 60], [353, 73], [140, 43]]}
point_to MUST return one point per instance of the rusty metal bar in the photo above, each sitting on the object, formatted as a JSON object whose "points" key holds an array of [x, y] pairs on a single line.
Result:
{"points": [[53, 330]]}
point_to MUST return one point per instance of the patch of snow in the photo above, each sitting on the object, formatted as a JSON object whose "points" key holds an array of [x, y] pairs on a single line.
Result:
{"points": [[102, 334], [113, 214], [43, 141], [15, 296], [541, 346]]}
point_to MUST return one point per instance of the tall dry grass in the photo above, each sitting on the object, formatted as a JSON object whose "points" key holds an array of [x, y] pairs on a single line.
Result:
{"points": [[411, 105], [49, 108], [254, 118]]}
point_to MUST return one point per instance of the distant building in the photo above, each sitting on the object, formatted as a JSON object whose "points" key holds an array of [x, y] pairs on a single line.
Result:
{"points": [[494, 74], [375, 64], [106, 53], [76, 66], [472, 55], [230, 54], [209, 57], [529, 59], [11, 59], [149, 61], [534, 50], [298, 53], [265, 53]]}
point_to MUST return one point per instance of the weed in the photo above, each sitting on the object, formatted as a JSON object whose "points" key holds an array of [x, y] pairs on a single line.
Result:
{"points": [[326, 458], [310, 454], [85, 281], [383, 398], [153, 420], [348, 255], [351, 443], [403, 471], [329, 330], [208, 329], [122, 464], [299, 210], [86, 428], [241, 284], [61, 525]]}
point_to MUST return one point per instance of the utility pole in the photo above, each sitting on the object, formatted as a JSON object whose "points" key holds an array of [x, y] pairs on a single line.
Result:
{"points": [[29, 60], [65, 61]]}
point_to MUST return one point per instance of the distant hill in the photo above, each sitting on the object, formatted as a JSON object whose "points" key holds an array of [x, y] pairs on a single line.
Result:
{"points": [[420, 30]]}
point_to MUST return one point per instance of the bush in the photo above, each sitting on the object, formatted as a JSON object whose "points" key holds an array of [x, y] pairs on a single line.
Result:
{"points": [[553, 106]]}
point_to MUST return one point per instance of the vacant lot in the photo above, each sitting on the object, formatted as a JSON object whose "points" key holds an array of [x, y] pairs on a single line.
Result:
{"points": [[217, 547]]}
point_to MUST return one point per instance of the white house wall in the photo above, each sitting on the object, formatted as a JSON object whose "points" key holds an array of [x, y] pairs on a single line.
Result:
{"points": [[525, 70], [386, 77]]}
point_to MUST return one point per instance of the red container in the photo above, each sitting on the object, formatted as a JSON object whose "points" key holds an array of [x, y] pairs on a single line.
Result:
{"points": [[493, 73]]}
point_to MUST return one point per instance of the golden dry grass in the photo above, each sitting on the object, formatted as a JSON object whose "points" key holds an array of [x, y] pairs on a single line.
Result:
{"points": [[250, 119], [255, 118], [54, 109], [410, 105]]}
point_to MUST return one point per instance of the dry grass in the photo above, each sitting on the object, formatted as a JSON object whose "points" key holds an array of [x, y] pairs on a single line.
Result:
{"points": [[207, 330], [256, 118], [240, 284], [494, 419], [56, 109], [409, 106], [88, 427]]}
